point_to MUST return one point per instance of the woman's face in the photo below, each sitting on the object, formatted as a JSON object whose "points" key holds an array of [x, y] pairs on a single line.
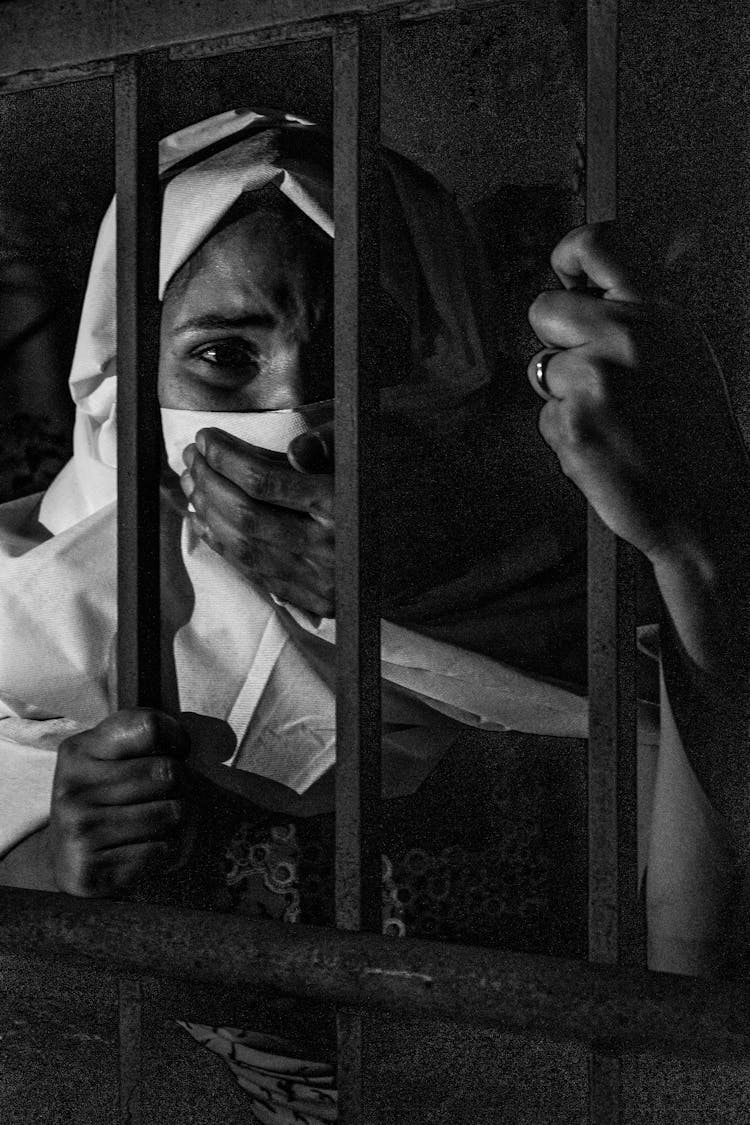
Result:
{"points": [[245, 322]]}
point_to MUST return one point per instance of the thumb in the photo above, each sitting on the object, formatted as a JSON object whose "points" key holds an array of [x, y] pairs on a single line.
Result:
{"points": [[313, 452], [596, 255]]}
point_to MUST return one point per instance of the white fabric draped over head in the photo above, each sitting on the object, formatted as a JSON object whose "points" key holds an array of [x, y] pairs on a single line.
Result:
{"points": [[205, 168]]}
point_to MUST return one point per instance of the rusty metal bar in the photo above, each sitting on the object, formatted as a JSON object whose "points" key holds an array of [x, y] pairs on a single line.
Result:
{"points": [[530, 995], [138, 451], [48, 35], [299, 32], [356, 80], [35, 79], [616, 932], [356, 138], [138, 440]]}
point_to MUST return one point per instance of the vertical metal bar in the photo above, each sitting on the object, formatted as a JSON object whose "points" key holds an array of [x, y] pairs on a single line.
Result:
{"points": [[614, 916], [356, 72], [130, 998], [138, 441], [138, 452], [356, 133]]}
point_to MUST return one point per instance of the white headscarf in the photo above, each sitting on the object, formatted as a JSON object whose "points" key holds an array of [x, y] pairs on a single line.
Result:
{"points": [[195, 200], [206, 168]]}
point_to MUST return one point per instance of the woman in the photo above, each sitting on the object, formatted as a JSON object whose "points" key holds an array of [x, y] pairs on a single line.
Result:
{"points": [[245, 342], [484, 575]]}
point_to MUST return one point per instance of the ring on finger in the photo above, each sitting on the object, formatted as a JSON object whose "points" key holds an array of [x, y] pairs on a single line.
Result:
{"points": [[540, 372]]}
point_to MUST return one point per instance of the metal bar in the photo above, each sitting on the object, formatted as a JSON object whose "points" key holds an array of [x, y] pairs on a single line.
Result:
{"points": [[615, 930], [305, 30], [138, 441], [49, 34], [299, 32], [138, 451], [529, 995], [356, 139], [35, 79], [130, 1001], [354, 1108], [356, 113]]}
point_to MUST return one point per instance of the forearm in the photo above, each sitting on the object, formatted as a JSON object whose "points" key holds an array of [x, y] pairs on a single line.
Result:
{"points": [[706, 664], [706, 598]]}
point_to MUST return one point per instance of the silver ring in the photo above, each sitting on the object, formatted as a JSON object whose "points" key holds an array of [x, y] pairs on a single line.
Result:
{"points": [[541, 373]]}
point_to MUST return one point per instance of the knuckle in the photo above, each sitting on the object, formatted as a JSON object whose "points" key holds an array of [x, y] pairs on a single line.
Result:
{"points": [[261, 484], [72, 819], [148, 722], [164, 771], [76, 873], [246, 519]]}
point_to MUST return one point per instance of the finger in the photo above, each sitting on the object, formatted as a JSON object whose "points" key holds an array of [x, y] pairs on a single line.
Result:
{"points": [[571, 319], [105, 873], [130, 734], [306, 582], [121, 824], [537, 372], [234, 518], [313, 452], [273, 482], [589, 255], [320, 601], [575, 372], [129, 782]]}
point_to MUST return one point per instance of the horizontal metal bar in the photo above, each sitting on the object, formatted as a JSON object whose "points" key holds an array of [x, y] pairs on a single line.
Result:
{"points": [[305, 30], [34, 79], [561, 999], [48, 35], [302, 31]]}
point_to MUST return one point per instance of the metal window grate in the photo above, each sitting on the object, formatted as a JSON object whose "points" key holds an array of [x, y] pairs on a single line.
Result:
{"points": [[600, 1003]]}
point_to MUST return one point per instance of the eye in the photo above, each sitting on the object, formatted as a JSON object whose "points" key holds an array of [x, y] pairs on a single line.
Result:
{"points": [[228, 353]]}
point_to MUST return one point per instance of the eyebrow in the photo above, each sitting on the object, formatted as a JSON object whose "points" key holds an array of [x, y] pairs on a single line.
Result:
{"points": [[210, 321]]}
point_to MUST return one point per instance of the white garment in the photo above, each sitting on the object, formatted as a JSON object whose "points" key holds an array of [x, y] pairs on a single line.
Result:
{"points": [[235, 656]]}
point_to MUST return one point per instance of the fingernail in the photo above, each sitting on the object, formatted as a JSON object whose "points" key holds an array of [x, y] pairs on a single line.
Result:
{"points": [[187, 484], [309, 453], [188, 455]]}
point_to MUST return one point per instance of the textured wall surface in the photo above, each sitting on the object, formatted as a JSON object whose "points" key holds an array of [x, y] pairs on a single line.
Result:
{"points": [[487, 103]]}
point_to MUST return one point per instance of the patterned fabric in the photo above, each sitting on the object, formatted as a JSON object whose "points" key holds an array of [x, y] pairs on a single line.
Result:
{"points": [[479, 854], [283, 1087]]}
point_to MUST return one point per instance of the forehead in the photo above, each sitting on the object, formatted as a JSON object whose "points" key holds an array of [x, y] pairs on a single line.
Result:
{"points": [[260, 259]]}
